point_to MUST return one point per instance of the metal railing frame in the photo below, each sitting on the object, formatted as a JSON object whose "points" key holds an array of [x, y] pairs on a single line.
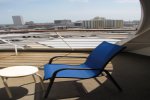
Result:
{"points": [[56, 31]]}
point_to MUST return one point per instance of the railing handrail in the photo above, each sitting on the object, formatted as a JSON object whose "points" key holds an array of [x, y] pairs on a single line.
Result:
{"points": [[16, 47], [66, 30]]}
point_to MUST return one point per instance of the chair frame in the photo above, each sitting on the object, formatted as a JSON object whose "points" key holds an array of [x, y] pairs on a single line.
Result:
{"points": [[103, 70]]}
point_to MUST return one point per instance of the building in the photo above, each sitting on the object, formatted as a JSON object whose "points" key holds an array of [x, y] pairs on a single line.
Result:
{"points": [[101, 23], [39, 26], [78, 24], [134, 23], [113, 23], [18, 20], [29, 23], [62, 22], [96, 23], [119, 23]]}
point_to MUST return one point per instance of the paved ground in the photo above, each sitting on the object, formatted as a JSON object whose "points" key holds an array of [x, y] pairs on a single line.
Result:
{"points": [[131, 71]]}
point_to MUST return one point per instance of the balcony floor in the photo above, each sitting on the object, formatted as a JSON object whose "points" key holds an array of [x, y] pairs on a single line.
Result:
{"points": [[130, 70]]}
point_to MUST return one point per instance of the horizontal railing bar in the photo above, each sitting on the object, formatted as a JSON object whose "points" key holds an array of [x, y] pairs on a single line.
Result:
{"points": [[65, 30], [49, 50]]}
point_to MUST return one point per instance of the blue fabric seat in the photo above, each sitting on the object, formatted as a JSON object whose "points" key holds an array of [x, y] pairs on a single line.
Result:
{"points": [[49, 69], [92, 67]]}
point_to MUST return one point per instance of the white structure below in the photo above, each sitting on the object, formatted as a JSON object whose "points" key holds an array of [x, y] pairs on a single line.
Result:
{"points": [[76, 43]]}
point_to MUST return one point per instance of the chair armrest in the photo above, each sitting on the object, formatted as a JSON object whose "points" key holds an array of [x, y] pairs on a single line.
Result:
{"points": [[51, 59]]}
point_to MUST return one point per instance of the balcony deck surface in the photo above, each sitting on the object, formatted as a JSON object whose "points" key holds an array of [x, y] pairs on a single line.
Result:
{"points": [[131, 71]]}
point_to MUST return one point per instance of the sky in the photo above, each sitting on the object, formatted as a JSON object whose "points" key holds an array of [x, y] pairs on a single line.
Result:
{"points": [[41, 11]]}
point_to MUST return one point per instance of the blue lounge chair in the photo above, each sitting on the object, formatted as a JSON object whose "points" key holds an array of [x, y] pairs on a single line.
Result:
{"points": [[92, 67]]}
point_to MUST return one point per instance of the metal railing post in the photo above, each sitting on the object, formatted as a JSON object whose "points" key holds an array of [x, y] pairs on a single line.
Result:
{"points": [[15, 46], [16, 50]]}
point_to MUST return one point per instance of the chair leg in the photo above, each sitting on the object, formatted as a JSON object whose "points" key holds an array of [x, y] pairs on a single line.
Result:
{"points": [[49, 87], [113, 80]]}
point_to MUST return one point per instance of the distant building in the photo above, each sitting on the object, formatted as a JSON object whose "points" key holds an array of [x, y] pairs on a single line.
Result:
{"points": [[39, 26], [113, 23], [96, 23], [62, 22], [29, 23], [119, 23], [134, 23], [101, 23], [18, 20], [78, 24]]}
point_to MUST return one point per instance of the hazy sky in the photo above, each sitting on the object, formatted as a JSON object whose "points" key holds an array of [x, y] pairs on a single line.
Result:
{"points": [[49, 10]]}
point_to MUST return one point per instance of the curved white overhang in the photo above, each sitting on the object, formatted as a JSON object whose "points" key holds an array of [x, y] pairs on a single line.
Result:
{"points": [[141, 42]]}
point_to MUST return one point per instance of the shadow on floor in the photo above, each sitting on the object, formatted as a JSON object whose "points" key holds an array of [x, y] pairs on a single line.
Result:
{"points": [[61, 90], [131, 71], [17, 93]]}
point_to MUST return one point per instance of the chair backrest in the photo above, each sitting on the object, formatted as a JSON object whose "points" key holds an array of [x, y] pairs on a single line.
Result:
{"points": [[102, 54]]}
